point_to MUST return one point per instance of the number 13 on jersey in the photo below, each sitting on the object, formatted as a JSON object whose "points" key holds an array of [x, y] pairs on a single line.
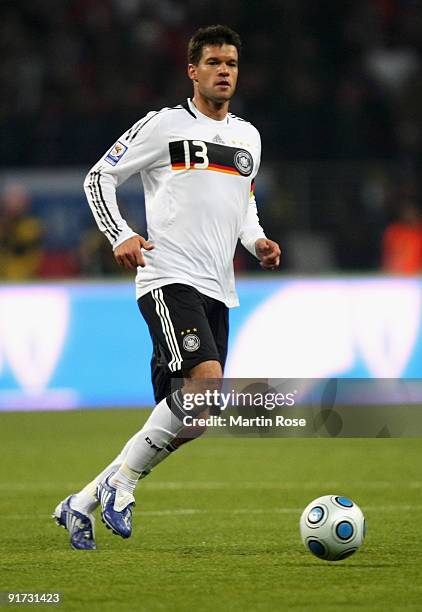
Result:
{"points": [[200, 152], [200, 155]]}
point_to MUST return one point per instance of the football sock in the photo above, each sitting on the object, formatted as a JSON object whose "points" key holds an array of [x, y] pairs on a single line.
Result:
{"points": [[125, 478], [86, 500], [148, 444], [159, 457]]}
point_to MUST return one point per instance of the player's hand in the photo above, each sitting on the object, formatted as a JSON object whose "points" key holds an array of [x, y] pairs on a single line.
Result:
{"points": [[129, 253], [268, 252]]}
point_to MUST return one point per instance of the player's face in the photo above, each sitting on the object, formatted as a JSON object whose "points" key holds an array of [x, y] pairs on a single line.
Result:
{"points": [[215, 75]]}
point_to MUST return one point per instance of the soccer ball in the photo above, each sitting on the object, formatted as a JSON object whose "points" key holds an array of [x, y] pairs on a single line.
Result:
{"points": [[332, 527]]}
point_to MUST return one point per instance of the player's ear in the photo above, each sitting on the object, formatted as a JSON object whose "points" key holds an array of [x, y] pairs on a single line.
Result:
{"points": [[192, 70]]}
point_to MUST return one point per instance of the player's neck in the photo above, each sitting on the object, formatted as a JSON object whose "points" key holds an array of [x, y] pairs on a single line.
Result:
{"points": [[214, 110]]}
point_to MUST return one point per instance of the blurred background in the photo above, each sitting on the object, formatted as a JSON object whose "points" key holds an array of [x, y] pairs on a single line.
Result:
{"points": [[335, 89]]}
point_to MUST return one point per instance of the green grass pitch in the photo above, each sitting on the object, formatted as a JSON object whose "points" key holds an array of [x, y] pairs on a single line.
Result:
{"points": [[215, 526]]}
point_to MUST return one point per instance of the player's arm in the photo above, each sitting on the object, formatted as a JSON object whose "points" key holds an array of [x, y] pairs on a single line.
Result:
{"points": [[139, 148], [253, 238]]}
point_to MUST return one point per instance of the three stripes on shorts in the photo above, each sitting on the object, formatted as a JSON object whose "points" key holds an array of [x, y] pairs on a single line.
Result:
{"points": [[162, 311]]}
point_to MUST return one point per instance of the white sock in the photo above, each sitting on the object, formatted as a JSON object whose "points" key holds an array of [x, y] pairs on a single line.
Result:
{"points": [[125, 478], [86, 501], [159, 457], [149, 444]]}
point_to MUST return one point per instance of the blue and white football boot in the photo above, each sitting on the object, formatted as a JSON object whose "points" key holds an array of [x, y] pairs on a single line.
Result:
{"points": [[116, 508], [80, 526]]}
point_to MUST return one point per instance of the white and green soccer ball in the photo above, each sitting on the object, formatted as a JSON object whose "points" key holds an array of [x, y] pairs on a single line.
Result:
{"points": [[332, 527]]}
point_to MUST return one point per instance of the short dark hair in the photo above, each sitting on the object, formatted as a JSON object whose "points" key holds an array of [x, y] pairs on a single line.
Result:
{"points": [[212, 35]]}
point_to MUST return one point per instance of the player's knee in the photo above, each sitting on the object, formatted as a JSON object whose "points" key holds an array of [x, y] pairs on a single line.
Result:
{"points": [[202, 385], [206, 370], [205, 376]]}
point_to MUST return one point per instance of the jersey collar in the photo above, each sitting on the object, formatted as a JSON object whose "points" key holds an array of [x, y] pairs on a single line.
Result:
{"points": [[192, 110]]}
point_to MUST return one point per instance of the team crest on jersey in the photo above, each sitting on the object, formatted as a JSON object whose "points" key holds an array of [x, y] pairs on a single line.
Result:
{"points": [[116, 153], [243, 162], [202, 155], [191, 343]]}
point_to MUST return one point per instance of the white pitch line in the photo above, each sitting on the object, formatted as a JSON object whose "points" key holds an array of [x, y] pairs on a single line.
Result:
{"points": [[196, 485], [216, 485], [236, 511]]}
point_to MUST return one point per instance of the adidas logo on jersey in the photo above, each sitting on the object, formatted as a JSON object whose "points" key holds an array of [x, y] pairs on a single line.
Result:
{"points": [[218, 139]]}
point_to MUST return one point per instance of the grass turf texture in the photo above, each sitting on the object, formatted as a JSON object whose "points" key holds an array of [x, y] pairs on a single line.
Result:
{"points": [[215, 526]]}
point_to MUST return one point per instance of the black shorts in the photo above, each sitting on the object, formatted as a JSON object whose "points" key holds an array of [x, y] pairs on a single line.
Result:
{"points": [[186, 328]]}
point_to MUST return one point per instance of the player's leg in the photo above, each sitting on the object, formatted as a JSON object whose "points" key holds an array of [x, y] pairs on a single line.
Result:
{"points": [[217, 314], [178, 323], [142, 457], [86, 501], [188, 302], [75, 513], [116, 493], [218, 319]]}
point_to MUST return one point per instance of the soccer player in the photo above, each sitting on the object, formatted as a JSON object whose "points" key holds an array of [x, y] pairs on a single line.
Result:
{"points": [[197, 162]]}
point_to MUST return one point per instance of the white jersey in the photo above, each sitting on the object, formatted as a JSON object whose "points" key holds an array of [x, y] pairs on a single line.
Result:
{"points": [[198, 177]]}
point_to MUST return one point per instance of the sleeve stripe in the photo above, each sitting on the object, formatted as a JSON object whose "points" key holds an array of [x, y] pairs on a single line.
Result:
{"points": [[134, 126], [139, 127], [97, 176], [100, 213]]}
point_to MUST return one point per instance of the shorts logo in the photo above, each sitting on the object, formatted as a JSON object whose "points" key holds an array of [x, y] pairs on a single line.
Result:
{"points": [[116, 153], [243, 161], [191, 342]]}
